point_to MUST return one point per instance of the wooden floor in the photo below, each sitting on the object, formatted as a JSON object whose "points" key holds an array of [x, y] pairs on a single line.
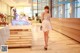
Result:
{"points": [[58, 43]]}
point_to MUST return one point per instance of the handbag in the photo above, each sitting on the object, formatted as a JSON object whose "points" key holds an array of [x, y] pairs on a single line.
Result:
{"points": [[40, 21], [40, 27]]}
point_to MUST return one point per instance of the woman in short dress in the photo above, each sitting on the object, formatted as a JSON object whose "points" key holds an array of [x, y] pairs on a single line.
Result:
{"points": [[46, 25]]}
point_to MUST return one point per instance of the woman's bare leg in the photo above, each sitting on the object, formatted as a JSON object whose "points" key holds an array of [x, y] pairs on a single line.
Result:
{"points": [[46, 38]]}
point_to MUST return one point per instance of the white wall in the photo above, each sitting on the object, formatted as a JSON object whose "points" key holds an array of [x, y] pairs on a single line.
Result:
{"points": [[4, 8]]}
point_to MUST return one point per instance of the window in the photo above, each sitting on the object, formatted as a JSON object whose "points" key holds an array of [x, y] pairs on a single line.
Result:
{"points": [[55, 12], [78, 2], [78, 9], [67, 10], [78, 13], [60, 11], [40, 5]]}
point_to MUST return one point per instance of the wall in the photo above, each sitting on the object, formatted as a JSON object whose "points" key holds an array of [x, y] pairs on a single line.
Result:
{"points": [[4, 8], [67, 26]]}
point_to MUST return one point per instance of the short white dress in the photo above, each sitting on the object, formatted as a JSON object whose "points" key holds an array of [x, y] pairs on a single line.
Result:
{"points": [[46, 25]]}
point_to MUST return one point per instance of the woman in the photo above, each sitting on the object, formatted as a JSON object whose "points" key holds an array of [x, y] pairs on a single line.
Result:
{"points": [[46, 26]]}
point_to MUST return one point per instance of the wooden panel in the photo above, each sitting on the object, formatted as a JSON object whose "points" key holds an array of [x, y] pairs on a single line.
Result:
{"points": [[67, 26]]}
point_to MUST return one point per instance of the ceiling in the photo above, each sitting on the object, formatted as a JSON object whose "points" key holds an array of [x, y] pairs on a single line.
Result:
{"points": [[18, 2]]}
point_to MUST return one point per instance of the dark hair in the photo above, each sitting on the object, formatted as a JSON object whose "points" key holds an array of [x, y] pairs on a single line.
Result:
{"points": [[46, 7]]}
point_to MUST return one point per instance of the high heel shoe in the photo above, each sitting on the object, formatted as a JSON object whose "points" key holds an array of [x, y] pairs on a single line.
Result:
{"points": [[45, 48]]}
